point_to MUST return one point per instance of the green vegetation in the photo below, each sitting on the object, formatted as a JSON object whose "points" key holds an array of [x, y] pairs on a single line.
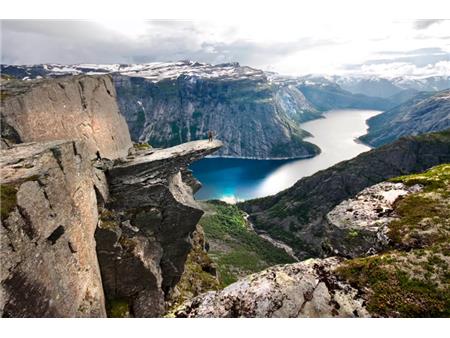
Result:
{"points": [[198, 277], [396, 290], [8, 199], [118, 308], [412, 279], [142, 146], [436, 178], [235, 247], [8, 192], [3, 94]]}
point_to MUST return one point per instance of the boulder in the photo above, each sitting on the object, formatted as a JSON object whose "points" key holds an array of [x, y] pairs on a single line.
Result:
{"points": [[305, 289]]}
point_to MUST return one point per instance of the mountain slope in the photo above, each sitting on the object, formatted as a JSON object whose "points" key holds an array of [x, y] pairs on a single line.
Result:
{"points": [[331, 96], [297, 215], [423, 113], [243, 111], [382, 87]]}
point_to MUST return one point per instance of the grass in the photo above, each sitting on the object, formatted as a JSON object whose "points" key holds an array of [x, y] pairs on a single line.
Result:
{"points": [[411, 279], [118, 308], [395, 292], [142, 146], [237, 250], [8, 195], [8, 199]]}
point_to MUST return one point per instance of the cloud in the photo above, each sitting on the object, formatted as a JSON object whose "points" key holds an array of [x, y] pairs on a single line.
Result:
{"points": [[39, 41], [287, 47], [425, 23], [397, 69]]}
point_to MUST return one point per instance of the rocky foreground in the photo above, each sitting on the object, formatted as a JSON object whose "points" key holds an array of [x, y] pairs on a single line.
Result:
{"points": [[401, 273]]}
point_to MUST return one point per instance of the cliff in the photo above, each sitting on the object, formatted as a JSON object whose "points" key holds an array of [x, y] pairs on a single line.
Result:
{"points": [[424, 113], [89, 226], [48, 218], [81, 107], [297, 215], [253, 117]]}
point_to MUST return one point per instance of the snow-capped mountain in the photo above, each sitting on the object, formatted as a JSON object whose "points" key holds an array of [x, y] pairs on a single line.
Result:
{"points": [[155, 71], [383, 87]]}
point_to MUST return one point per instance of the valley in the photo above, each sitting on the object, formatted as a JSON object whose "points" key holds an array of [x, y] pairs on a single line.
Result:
{"points": [[233, 180]]}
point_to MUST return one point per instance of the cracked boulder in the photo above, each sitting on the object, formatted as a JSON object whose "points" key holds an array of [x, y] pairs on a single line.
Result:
{"points": [[305, 289], [358, 226], [48, 261]]}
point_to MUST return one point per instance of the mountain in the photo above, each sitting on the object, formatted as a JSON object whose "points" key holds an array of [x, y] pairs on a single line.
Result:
{"points": [[257, 114], [331, 96], [169, 103], [383, 87], [422, 114], [297, 214]]}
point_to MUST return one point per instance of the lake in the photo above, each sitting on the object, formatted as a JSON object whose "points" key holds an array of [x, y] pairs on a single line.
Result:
{"points": [[233, 179]]}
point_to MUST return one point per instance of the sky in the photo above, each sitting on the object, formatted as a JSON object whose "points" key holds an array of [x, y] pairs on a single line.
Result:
{"points": [[384, 48]]}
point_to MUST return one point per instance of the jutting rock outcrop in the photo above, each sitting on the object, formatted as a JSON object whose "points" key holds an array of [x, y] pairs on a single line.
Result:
{"points": [[144, 235], [48, 218]]}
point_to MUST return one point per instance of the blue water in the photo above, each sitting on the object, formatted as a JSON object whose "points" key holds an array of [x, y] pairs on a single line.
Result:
{"points": [[232, 179]]}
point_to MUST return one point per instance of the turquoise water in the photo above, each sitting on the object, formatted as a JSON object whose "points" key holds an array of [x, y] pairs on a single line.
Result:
{"points": [[232, 179]]}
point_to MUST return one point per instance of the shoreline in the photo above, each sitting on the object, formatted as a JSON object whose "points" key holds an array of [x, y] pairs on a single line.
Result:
{"points": [[263, 159]]}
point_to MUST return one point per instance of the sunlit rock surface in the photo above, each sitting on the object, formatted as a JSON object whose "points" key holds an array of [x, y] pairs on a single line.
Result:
{"points": [[49, 214], [306, 289], [81, 107]]}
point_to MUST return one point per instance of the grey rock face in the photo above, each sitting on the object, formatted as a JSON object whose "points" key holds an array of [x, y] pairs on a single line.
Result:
{"points": [[49, 214], [81, 107], [306, 289], [144, 242], [424, 113], [358, 226], [245, 112]]}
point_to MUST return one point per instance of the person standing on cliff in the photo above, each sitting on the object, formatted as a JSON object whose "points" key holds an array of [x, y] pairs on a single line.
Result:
{"points": [[210, 136]]}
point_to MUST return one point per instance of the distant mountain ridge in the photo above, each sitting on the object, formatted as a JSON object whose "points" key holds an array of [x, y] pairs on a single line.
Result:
{"points": [[425, 112]]}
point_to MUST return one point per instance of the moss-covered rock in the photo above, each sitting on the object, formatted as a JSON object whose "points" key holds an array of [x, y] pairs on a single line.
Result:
{"points": [[412, 278]]}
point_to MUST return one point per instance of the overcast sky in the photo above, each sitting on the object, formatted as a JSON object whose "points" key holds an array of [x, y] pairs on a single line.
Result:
{"points": [[295, 48]]}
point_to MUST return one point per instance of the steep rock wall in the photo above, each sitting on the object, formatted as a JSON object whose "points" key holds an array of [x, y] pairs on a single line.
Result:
{"points": [[74, 107], [49, 215], [244, 112]]}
